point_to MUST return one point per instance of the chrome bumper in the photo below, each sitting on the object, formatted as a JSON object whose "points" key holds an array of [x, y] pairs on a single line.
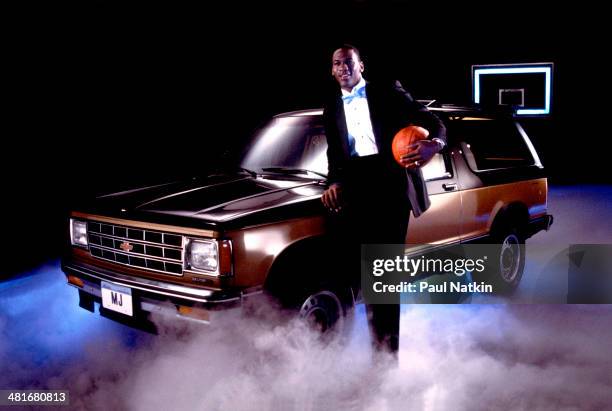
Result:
{"points": [[154, 296]]}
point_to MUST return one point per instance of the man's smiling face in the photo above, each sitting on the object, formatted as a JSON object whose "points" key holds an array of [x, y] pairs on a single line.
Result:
{"points": [[347, 68]]}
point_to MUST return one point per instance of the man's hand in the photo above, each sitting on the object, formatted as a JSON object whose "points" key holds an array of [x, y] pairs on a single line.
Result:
{"points": [[420, 152], [332, 198]]}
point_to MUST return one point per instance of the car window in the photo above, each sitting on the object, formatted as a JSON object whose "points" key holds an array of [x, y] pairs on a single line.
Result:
{"points": [[436, 168], [289, 142], [492, 144]]}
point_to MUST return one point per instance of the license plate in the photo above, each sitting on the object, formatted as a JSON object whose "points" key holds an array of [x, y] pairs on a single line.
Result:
{"points": [[117, 298]]}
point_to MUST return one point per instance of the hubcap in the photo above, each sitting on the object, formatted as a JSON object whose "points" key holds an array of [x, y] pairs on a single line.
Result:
{"points": [[510, 258], [321, 310]]}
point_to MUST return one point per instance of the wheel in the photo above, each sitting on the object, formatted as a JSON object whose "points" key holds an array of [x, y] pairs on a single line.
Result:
{"points": [[510, 261], [319, 295], [322, 311], [328, 313]]}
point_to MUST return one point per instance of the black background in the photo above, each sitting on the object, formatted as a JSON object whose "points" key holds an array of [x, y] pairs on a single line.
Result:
{"points": [[111, 95]]}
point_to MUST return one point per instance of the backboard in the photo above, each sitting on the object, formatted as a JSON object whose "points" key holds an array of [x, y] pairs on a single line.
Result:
{"points": [[527, 87]]}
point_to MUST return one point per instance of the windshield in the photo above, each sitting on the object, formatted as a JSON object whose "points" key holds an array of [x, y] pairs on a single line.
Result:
{"points": [[296, 142]]}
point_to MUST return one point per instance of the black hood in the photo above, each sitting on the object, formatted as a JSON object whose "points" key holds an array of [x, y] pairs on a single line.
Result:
{"points": [[214, 199]]}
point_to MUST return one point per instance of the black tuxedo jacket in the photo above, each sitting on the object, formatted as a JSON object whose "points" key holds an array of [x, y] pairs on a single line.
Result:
{"points": [[391, 109]]}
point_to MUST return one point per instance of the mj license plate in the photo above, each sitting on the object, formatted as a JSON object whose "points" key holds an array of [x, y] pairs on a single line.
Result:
{"points": [[117, 298]]}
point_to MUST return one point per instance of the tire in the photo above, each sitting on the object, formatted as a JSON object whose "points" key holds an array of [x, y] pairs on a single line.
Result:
{"points": [[316, 295], [510, 261], [328, 314], [323, 311]]}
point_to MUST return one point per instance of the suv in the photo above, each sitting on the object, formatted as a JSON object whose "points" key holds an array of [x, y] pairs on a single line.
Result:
{"points": [[194, 247]]}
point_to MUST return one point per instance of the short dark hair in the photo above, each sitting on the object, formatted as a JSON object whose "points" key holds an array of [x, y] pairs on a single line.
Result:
{"points": [[347, 46]]}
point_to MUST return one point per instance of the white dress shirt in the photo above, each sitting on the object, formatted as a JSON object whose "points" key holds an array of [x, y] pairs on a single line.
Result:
{"points": [[358, 123]]}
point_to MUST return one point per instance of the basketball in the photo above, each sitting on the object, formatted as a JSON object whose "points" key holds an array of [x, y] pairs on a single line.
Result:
{"points": [[404, 138]]}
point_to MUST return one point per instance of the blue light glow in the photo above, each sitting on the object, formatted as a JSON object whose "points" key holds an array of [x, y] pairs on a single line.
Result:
{"points": [[546, 69]]}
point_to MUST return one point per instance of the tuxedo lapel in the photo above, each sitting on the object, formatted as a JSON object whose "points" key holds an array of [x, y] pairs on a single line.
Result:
{"points": [[373, 106]]}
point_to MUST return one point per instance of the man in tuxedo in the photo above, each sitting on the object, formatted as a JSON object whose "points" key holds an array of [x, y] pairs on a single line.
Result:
{"points": [[370, 196]]}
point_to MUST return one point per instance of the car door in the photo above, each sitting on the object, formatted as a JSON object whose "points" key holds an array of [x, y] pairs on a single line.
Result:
{"points": [[441, 223]]}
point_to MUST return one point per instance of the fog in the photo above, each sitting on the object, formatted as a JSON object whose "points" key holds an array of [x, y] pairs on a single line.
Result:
{"points": [[459, 357], [451, 357]]}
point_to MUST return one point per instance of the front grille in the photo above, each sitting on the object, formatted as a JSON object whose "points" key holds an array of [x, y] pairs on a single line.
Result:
{"points": [[151, 250]]}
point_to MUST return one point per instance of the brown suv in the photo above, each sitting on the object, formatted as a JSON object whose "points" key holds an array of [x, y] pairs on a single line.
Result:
{"points": [[191, 248]]}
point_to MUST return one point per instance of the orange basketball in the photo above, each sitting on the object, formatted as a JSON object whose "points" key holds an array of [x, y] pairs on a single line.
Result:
{"points": [[404, 138]]}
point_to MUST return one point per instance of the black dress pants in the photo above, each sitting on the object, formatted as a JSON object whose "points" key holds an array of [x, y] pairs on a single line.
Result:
{"points": [[376, 211]]}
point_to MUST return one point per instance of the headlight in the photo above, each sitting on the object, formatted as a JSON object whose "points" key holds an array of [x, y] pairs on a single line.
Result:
{"points": [[202, 255], [78, 233]]}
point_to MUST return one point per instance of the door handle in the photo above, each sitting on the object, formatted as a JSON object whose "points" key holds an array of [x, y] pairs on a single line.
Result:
{"points": [[449, 187]]}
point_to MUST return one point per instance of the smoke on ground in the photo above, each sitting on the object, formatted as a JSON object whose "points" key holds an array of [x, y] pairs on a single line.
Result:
{"points": [[451, 357]]}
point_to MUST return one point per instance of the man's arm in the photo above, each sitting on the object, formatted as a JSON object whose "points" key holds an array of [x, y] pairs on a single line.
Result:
{"points": [[424, 150], [334, 148], [420, 115], [332, 197]]}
